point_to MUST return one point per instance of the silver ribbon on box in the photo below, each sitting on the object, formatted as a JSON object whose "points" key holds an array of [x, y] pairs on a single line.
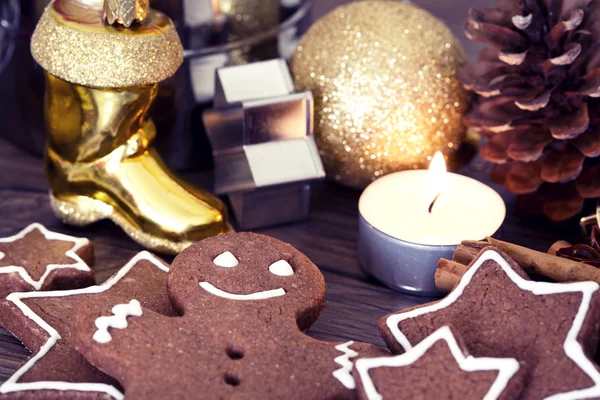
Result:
{"points": [[261, 134]]}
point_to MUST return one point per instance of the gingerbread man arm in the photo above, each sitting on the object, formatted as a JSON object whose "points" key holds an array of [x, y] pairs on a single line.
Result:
{"points": [[369, 350], [346, 355], [140, 347], [111, 340]]}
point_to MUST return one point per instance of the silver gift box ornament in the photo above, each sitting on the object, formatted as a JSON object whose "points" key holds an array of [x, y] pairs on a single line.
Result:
{"points": [[264, 152]]}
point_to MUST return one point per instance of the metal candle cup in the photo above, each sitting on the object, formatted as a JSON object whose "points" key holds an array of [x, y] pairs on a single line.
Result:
{"points": [[400, 241]]}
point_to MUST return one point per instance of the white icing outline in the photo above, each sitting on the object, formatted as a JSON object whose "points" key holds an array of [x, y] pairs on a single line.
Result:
{"points": [[344, 374], [116, 321], [78, 243], [507, 367], [281, 268], [11, 385], [226, 260], [571, 346], [267, 294]]}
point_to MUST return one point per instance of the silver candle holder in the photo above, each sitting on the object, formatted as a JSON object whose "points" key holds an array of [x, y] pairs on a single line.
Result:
{"points": [[398, 264], [405, 228], [264, 152]]}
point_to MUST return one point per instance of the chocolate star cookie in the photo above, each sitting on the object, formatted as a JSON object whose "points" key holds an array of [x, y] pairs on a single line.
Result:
{"points": [[552, 328], [38, 259], [43, 321], [439, 367], [244, 300]]}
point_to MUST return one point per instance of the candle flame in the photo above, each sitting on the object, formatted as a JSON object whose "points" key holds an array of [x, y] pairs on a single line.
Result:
{"points": [[216, 7], [436, 178], [221, 6]]}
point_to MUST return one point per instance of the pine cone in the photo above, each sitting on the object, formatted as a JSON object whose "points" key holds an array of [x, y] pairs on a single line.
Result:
{"points": [[539, 98]]}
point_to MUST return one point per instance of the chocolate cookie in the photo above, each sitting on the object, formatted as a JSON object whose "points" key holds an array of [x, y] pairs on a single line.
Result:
{"points": [[439, 367], [552, 328], [38, 259], [244, 300], [43, 321]]}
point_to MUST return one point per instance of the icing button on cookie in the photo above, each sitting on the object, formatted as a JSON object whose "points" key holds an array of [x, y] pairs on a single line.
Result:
{"points": [[232, 379], [235, 352]]}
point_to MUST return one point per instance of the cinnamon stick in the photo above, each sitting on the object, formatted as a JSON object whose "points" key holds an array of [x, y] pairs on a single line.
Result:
{"points": [[448, 274], [556, 268], [533, 262], [468, 250]]}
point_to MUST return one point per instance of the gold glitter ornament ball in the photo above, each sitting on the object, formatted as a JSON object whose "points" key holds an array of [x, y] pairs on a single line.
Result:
{"points": [[384, 78]]}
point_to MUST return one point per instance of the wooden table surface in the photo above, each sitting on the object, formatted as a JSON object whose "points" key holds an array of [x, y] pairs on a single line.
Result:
{"points": [[354, 301]]}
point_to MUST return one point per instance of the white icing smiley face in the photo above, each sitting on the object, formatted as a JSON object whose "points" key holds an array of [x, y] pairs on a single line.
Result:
{"points": [[228, 260]]}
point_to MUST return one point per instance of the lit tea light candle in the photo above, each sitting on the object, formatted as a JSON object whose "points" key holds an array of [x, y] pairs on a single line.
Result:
{"points": [[411, 219]]}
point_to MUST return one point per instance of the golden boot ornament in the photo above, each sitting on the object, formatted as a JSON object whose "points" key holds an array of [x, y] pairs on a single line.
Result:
{"points": [[100, 83]]}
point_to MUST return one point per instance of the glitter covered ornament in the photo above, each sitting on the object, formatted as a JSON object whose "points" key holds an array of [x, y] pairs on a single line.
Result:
{"points": [[387, 97], [101, 80]]}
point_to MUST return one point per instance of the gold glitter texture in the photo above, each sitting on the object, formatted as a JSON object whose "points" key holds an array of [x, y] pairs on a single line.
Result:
{"points": [[82, 211], [384, 78], [102, 56]]}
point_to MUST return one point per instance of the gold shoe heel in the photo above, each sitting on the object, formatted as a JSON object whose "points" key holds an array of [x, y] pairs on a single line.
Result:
{"points": [[83, 210], [79, 210]]}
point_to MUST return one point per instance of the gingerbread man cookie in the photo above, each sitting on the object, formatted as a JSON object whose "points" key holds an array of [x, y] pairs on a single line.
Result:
{"points": [[43, 321], [38, 259], [552, 328], [439, 367], [244, 301]]}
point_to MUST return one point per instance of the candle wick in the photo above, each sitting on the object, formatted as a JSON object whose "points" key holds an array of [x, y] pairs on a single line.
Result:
{"points": [[433, 203]]}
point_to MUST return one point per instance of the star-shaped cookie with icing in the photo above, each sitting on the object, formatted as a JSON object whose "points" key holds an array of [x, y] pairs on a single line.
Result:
{"points": [[39, 259], [44, 322], [551, 328], [439, 367]]}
